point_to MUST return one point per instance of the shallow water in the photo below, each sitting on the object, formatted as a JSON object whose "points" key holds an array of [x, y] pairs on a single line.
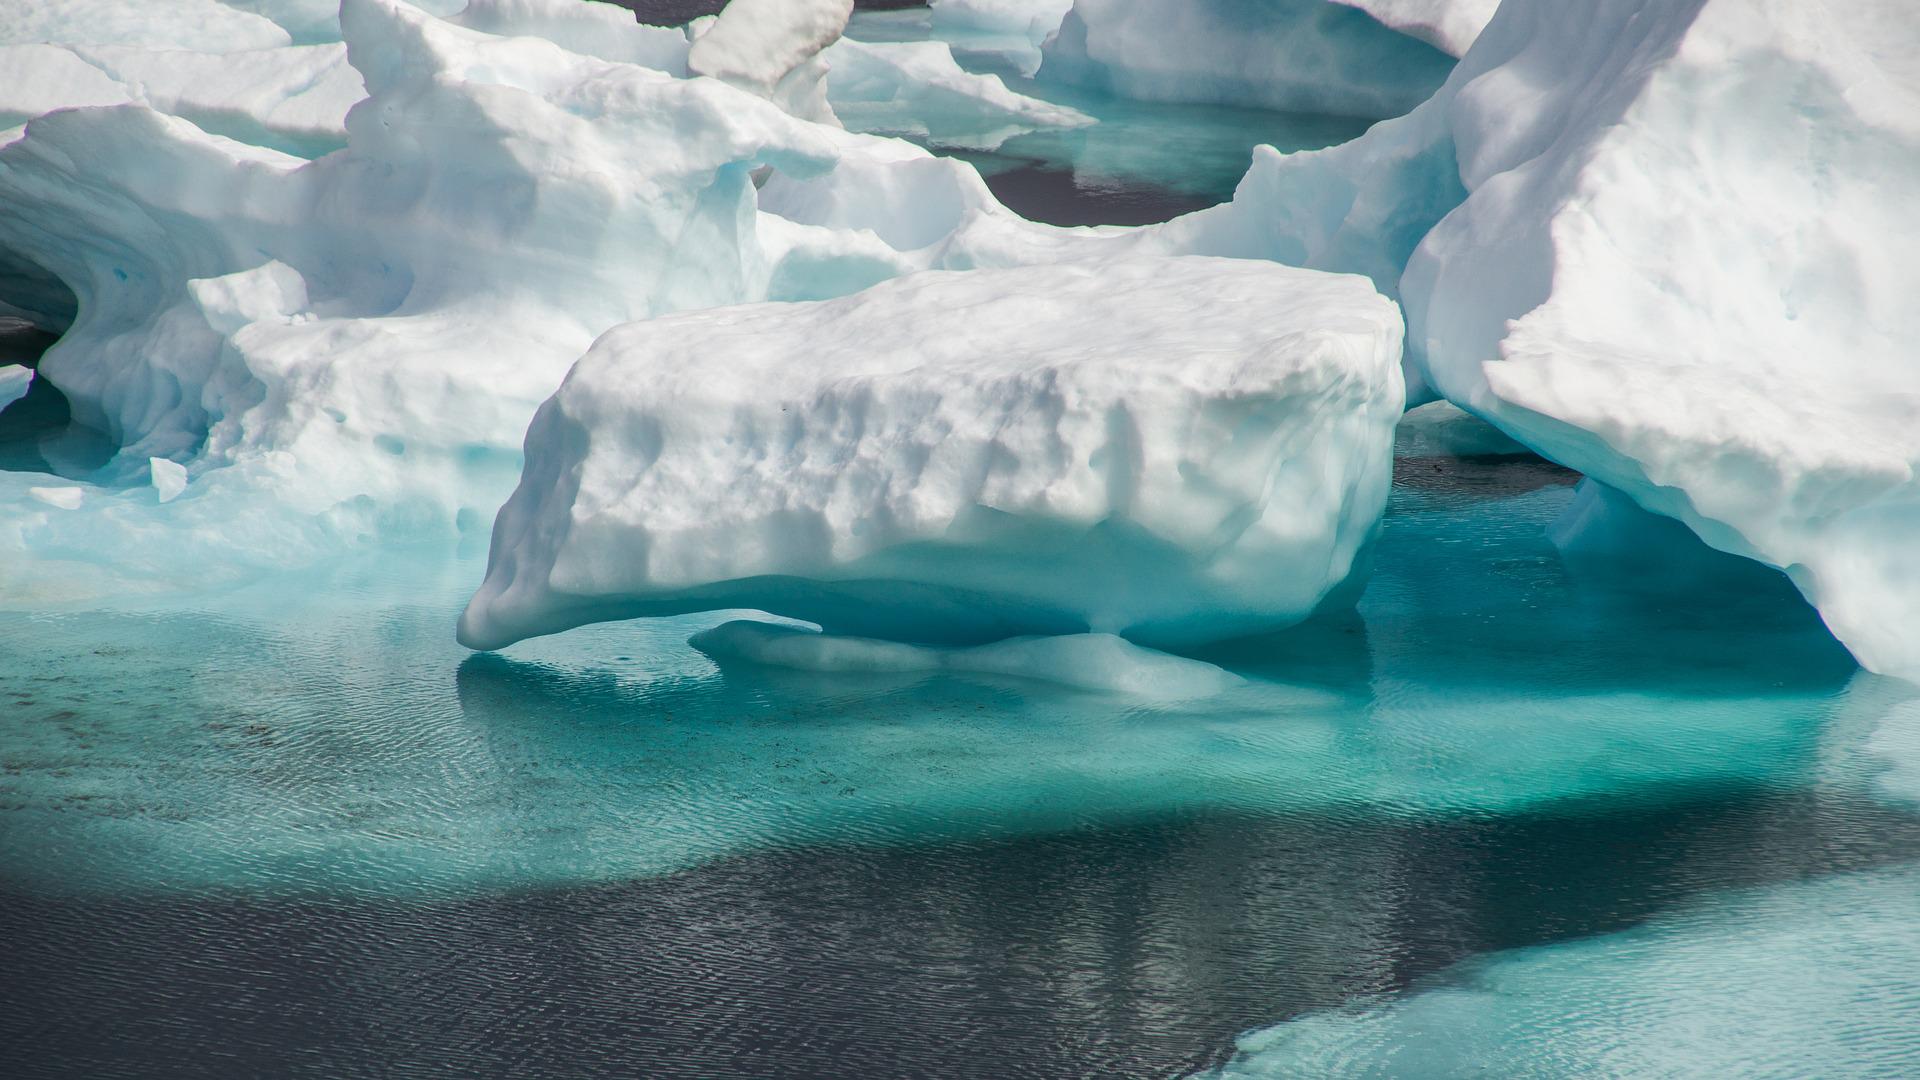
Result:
{"points": [[293, 830]]}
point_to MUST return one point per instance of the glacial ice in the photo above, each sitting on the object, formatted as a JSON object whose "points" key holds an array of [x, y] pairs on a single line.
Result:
{"points": [[292, 98], [359, 337], [1691, 283], [359, 340], [1084, 661], [1031, 18], [918, 88], [1289, 55], [15, 380], [772, 48], [957, 458], [1448, 25], [179, 24]]}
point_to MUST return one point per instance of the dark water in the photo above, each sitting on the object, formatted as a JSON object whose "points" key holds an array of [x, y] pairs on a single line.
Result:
{"points": [[1136, 951]]}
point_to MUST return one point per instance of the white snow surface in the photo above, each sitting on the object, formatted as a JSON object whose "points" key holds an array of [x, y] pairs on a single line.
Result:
{"points": [[351, 347], [15, 381], [291, 98], [1084, 661], [771, 47], [1290, 55], [1684, 270], [1174, 450], [1448, 25]]}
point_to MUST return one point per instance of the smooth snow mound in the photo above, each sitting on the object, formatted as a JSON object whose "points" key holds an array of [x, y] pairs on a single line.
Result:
{"points": [[1084, 661], [1174, 450]]}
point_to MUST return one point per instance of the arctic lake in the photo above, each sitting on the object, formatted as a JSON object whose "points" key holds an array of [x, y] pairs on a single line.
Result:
{"points": [[1518, 814]]}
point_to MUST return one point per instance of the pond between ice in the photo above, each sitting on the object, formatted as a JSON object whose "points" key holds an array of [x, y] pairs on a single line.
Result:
{"points": [[294, 824]]}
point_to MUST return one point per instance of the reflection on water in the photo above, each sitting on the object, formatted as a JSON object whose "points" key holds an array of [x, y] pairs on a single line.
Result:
{"points": [[1131, 950], [292, 829]]}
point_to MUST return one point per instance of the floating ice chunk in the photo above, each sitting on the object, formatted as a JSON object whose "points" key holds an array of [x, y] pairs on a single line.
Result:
{"points": [[917, 88], [169, 478], [66, 498], [772, 48], [178, 24], [1448, 25], [1291, 55], [1087, 661], [587, 27], [1680, 272], [14, 383], [1173, 450]]}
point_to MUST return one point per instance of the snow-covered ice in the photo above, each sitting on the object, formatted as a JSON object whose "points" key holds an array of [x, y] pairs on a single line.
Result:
{"points": [[961, 457], [1683, 268], [916, 87], [1448, 25], [169, 478], [772, 48], [15, 381]]}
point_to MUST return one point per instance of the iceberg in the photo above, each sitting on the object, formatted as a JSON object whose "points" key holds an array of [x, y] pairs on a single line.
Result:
{"points": [[180, 24], [1448, 25], [15, 380], [1680, 270], [354, 344], [772, 48], [950, 458], [1288, 55], [918, 88]]}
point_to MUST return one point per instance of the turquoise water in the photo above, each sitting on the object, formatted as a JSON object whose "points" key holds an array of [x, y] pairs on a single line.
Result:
{"points": [[1517, 814], [1142, 162]]}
